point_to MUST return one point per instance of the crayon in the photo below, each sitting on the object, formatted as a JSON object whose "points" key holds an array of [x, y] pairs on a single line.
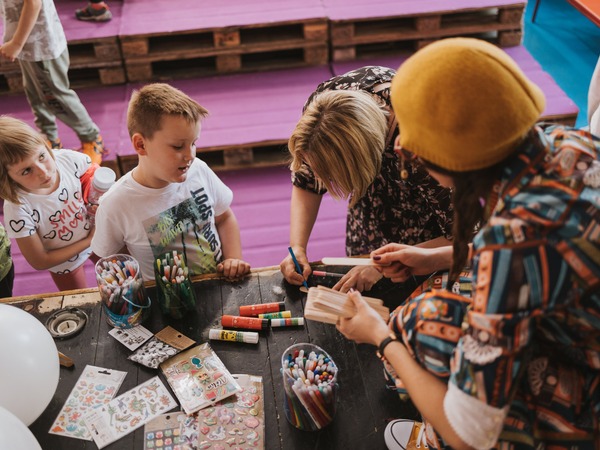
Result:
{"points": [[289, 322], [277, 315], [261, 308], [248, 337], [251, 323], [319, 273]]}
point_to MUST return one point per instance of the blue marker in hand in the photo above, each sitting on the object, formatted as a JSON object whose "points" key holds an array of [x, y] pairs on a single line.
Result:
{"points": [[298, 268]]}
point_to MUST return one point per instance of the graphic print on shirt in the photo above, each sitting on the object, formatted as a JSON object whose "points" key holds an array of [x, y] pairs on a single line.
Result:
{"points": [[188, 227], [66, 219]]}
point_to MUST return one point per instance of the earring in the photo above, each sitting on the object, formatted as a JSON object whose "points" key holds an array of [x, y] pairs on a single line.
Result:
{"points": [[403, 171]]}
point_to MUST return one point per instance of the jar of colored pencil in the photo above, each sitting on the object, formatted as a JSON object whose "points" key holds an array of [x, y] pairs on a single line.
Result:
{"points": [[174, 289], [310, 386], [124, 299]]}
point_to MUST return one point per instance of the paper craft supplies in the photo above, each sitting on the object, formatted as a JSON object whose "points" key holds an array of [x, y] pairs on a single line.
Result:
{"points": [[199, 378], [95, 387], [128, 412], [131, 338], [164, 344], [326, 305], [347, 262], [175, 430]]}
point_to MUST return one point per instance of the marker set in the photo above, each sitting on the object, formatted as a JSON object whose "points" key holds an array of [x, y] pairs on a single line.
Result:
{"points": [[122, 290], [309, 378]]}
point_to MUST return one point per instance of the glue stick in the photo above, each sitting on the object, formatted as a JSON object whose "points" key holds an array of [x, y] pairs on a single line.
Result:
{"points": [[247, 337], [252, 323], [261, 308]]}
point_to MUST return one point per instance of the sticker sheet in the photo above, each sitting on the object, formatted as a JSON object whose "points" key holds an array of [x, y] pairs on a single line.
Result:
{"points": [[237, 422], [128, 412], [199, 378], [164, 344], [131, 338], [95, 387], [172, 431]]}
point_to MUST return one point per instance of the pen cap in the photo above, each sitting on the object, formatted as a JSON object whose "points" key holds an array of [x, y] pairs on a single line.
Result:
{"points": [[104, 178]]}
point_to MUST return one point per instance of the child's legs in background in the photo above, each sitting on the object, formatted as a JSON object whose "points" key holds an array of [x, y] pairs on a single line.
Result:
{"points": [[48, 90], [71, 280], [6, 284]]}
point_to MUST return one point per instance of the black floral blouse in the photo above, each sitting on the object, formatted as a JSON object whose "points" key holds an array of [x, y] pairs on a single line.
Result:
{"points": [[392, 210]]}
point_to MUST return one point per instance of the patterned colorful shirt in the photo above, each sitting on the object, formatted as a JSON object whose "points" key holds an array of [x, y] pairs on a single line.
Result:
{"points": [[392, 210], [526, 368]]}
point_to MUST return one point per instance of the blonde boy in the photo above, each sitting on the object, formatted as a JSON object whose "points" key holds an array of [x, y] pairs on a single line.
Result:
{"points": [[171, 200]]}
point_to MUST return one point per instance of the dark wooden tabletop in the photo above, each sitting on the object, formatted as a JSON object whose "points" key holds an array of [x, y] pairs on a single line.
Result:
{"points": [[364, 405]]}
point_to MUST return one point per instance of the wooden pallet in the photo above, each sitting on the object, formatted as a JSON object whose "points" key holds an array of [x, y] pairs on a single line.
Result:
{"points": [[93, 62], [266, 154], [225, 50], [352, 39]]}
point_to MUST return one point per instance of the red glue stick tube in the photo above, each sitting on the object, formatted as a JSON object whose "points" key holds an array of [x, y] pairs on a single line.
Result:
{"points": [[291, 322], [261, 308], [250, 323]]}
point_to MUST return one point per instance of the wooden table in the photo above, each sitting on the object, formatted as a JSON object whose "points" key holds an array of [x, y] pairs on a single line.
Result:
{"points": [[364, 405]]}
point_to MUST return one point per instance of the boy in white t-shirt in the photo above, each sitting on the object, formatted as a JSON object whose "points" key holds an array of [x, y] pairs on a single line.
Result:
{"points": [[171, 200]]}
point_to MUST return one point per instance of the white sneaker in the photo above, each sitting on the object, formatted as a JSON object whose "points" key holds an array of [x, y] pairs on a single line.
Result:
{"points": [[403, 434]]}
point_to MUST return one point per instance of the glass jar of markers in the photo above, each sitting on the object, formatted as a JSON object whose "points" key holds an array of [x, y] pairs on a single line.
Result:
{"points": [[309, 385], [124, 299]]}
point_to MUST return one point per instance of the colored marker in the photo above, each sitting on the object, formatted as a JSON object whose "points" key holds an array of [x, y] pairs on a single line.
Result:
{"points": [[251, 323], [291, 322], [248, 337], [276, 315], [261, 308], [319, 273], [298, 268]]}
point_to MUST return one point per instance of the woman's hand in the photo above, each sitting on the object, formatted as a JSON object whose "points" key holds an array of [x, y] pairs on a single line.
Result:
{"points": [[399, 262], [366, 326], [233, 269], [288, 268], [361, 278]]}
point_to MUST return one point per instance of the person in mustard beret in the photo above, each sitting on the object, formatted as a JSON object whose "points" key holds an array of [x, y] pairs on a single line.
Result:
{"points": [[517, 363]]}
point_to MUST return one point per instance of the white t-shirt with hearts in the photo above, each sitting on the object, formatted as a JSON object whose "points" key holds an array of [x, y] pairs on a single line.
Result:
{"points": [[58, 218]]}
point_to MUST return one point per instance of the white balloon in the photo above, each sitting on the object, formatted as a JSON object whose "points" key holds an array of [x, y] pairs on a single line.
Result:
{"points": [[29, 367], [14, 435]]}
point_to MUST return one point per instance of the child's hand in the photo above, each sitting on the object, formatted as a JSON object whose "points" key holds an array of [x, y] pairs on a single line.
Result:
{"points": [[10, 50], [233, 269]]}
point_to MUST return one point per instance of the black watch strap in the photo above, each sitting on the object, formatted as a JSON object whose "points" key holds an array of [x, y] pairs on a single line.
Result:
{"points": [[392, 337]]}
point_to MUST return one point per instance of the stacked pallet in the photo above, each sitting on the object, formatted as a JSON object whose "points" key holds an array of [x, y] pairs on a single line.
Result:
{"points": [[94, 49], [218, 38], [360, 28]]}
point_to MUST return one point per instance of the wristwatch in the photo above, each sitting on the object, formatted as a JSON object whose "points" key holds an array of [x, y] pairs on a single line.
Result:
{"points": [[392, 337]]}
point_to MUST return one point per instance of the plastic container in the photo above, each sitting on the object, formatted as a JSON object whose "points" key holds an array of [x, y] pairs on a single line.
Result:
{"points": [[103, 179], [124, 298], [309, 385], [174, 290]]}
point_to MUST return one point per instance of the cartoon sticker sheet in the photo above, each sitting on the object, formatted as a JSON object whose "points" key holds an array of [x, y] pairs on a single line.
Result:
{"points": [[131, 338], [236, 423], [173, 431], [96, 386], [128, 412], [199, 378]]}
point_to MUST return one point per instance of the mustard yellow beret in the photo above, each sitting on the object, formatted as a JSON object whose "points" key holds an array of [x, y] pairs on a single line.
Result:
{"points": [[463, 104]]}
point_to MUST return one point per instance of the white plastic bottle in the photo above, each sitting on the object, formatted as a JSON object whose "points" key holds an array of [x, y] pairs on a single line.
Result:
{"points": [[104, 178]]}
